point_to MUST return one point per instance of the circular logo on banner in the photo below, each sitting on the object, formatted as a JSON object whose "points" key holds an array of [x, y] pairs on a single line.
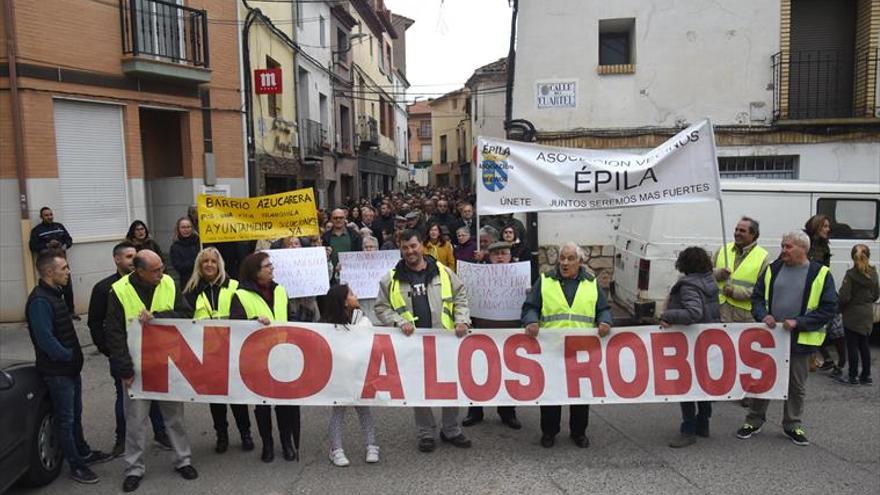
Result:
{"points": [[494, 175]]}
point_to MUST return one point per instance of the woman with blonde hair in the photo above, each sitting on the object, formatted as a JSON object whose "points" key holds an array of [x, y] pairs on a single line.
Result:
{"points": [[856, 298], [209, 292]]}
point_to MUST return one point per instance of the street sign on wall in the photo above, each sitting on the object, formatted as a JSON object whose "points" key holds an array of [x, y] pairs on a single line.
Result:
{"points": [[267, 81]]}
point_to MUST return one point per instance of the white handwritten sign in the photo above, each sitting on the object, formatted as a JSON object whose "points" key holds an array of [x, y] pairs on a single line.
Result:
{"points": [[362, 270], [496, 292], [302, 271]]}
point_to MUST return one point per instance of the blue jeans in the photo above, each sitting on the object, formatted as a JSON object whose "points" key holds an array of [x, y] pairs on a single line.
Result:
{"points": [[66, 394], [155, 414]]}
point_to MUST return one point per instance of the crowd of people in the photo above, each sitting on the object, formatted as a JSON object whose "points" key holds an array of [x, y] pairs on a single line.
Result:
{"points": [[434, 229]]}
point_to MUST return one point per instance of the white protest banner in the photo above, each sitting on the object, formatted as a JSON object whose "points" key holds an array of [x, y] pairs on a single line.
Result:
{"points": [[362, 270], [497, 291], [318, 364], [302, 271], [517, 177]]}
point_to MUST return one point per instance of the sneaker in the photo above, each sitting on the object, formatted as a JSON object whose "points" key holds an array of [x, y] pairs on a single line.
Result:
{"points": [[683, 440], [837, 371], [84, 475], [372, 454], [427, 444], [866, 381], [131, 483], [337, 457], [747, 431], [96, 457], [797, 436], [827, 365], [187, 472], [459, 440], [846, 381], [162, 441]]}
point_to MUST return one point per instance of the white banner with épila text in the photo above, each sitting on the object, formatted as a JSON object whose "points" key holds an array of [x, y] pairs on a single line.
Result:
{"points": [[519, 177]]}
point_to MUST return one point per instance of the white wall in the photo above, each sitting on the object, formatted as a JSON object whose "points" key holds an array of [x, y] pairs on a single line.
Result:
{"points": [[90, 260], [308, 35], [693, 58], [488, 119]]}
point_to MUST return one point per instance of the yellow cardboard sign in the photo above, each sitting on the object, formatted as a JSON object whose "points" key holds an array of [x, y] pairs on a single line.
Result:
{"points": [[291, 213]]}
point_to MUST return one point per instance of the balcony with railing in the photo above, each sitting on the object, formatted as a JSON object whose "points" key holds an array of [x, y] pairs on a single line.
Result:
{"points": [[314, 139], [163, 40], [825, 85], [368, 131]]}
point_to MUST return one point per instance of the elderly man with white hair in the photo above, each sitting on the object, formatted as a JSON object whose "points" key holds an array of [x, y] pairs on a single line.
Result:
{"points": [[799, 294], [566, 297]]}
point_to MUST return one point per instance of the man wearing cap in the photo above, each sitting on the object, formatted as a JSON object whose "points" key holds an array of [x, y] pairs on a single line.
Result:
{"points": [[566, 298], [413, 222], [499, 253]]}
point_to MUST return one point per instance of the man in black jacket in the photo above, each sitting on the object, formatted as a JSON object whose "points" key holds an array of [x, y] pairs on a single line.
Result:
{"points": [[123, 257], [147, 276], [59, 360], [49, 234]]}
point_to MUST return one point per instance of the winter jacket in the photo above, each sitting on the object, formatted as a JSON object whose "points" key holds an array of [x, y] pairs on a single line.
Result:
{"points": [[441, 253], [466, 251], [856, 298], [44, 233], [820, 251], [147, 243], [183, 256], [693, 299]]}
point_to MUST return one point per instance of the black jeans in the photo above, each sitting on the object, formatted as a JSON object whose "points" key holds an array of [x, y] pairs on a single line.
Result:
{"points": [[239, 412], [66, 394], [856, 348], [578, 419], [506, 412], [694, 414], [287, 418]]}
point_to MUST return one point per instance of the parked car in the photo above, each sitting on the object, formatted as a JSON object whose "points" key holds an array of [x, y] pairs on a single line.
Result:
{"points": [[29, 450]]}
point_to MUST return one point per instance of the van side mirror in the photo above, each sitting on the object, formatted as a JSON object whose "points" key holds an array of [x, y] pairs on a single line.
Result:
{"points": [[6, 381]]}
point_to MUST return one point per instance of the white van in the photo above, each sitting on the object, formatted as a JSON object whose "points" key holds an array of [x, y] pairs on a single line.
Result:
{"points": [[649, 239]]}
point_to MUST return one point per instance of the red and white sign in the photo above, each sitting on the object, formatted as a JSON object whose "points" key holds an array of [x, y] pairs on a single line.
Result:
{"points": [[267, 81], [316, 364]]}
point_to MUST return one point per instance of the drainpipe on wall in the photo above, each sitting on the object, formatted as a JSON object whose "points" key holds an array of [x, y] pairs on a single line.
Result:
{"points": [[18, 137]]}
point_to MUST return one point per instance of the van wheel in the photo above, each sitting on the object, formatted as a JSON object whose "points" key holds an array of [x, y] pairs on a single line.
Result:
{"points": [[46, 457]]}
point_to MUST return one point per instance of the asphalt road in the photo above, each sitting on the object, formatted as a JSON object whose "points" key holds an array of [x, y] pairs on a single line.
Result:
{"points": [[628, 452]]}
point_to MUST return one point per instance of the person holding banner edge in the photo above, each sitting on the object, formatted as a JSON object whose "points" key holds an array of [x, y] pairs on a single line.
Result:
{"points": [[799, 294], [130, 296], [420, 292], [259, 298], [567, 297], [209, 292], [693, 299]]}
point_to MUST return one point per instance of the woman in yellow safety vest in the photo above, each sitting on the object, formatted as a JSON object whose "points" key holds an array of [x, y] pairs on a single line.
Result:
{"points": [[259, 298], [209, 292]]}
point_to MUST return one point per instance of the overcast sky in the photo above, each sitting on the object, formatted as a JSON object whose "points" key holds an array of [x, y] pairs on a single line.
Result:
{"points": [[450, 39]]}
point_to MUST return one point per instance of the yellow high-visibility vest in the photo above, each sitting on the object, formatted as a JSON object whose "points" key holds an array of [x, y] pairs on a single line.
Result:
{"points": [[746, 274], [447, 318], [203, 309], [555, 311], [816, 337], [163, 297], [255, 306]]}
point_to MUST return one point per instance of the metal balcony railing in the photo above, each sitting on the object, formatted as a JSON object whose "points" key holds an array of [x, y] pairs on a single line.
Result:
{"points": [[368, 131], [165, 31], [824, 84], [314, 138]]}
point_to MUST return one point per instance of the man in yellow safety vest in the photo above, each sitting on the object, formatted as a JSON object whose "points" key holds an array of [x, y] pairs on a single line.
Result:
{"points": [[799, 294], [420, 292], [746, 261], [567, 297], [144, 294]]}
